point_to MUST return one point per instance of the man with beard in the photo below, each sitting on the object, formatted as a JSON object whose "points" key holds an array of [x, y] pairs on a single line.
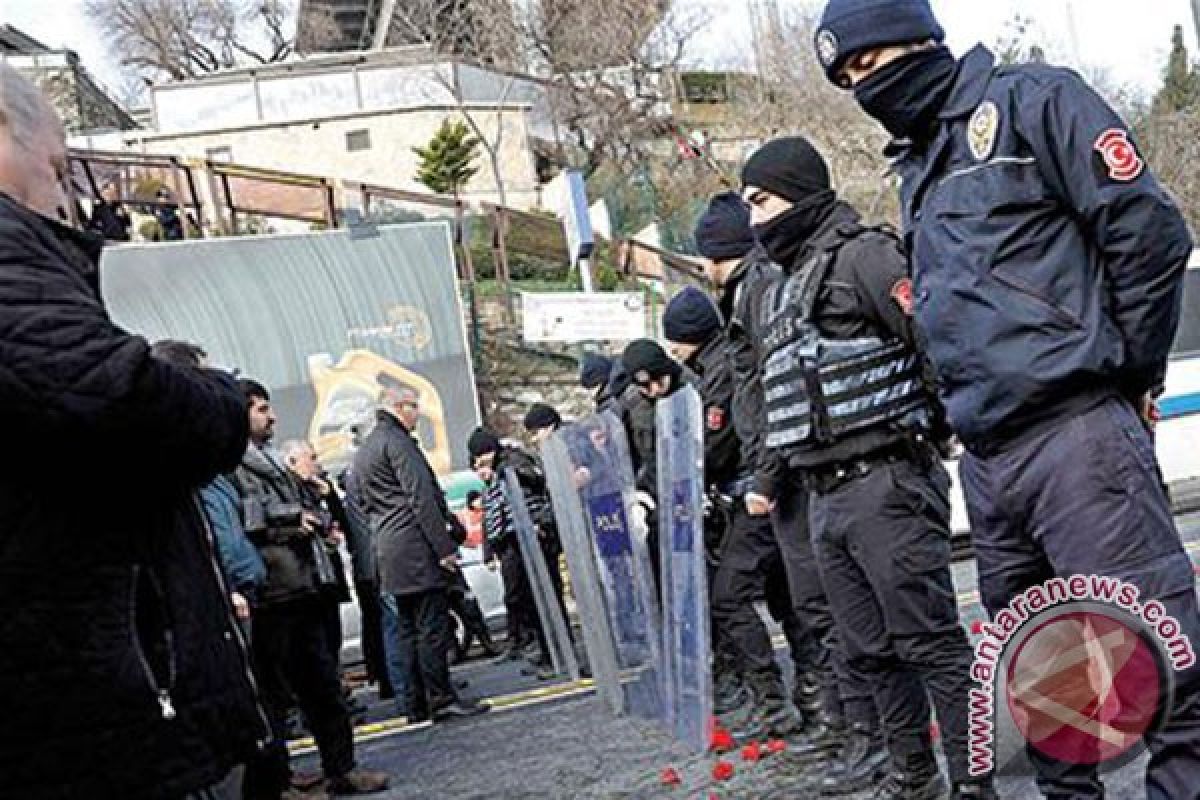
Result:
{"points": [[1048, 264], [292, 653], [847, 406]]}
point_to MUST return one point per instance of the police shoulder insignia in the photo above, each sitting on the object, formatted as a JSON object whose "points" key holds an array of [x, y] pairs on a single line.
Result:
{"points": [[1120, 155], [902, 293], [715, 418], [981, 130], [827, 47]]}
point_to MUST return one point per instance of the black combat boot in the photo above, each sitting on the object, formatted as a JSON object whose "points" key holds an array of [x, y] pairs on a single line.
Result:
{"points": [[806, 694], [773, 716], [974, 789], [918, 779], [862, 764], [729, 693], [820, 741]]}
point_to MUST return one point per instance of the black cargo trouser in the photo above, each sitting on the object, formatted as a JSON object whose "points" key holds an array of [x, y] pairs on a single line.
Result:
{"points": [[845, 692], [738, 583], [883, 547], [292, 655], [1082, 495]]}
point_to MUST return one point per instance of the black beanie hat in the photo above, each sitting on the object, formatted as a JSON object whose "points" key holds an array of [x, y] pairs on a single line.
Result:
{"points": [[541, 416], [595, 370], [723, 232], [790, 167], [691, 317], [645, 360], [851, 26], [481, 443]]}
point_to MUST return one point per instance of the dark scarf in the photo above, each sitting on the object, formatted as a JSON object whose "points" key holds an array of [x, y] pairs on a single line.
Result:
{"points": [[784, 236], [907, 94]]}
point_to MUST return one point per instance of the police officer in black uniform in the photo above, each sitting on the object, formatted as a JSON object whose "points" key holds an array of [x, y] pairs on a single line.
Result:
{"points": [[745, 553], [847, 404], [1048, 266], [825, 685]]}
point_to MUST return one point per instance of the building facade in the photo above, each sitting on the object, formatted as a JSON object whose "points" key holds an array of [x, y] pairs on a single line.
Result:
{"points": [[80, 101]]}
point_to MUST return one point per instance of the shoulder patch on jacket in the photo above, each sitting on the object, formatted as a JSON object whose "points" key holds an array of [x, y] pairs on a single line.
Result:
{"points": [[1119, 158], [902, 293]]}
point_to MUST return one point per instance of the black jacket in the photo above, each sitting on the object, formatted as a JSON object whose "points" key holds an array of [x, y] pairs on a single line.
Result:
{"points": [[1048, 261], [714, 382], [272, 505], [113, 609], [532, 481], [860, 297], [741, 299], [406, 508]]}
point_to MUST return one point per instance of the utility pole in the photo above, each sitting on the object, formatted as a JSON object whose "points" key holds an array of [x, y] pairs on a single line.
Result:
{"points": [[1196, 18]]}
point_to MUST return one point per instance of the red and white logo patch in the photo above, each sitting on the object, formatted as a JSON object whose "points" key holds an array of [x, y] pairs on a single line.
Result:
{"points": [[902, 293], [716, 418], [1120, 155]]}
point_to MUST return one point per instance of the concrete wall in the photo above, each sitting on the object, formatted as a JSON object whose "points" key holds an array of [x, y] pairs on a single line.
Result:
{"points": [[319, 147]]}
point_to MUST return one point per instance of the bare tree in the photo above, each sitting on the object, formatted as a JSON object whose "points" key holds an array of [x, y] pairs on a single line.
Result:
{"points": [[793, 96], [474, 32], [182, 39], [610, 66]]}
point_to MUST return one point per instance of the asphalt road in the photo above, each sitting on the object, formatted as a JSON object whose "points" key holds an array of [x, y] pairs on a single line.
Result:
{"points": [[537, 748]]}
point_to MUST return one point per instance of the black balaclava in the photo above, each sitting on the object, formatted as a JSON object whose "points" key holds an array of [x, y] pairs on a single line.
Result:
{"points": [[785, 236], [907, 94], [794, 170]]}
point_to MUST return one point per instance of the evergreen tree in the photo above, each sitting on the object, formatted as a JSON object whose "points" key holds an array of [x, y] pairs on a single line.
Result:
{"points": [[447, 162], [1181, 83]]}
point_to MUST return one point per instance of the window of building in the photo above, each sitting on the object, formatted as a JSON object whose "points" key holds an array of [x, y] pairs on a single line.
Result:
{"points": [[221, 154], [358, 140]]}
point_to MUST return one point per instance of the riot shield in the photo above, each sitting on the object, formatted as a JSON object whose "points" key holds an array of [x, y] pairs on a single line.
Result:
{"points": [[686, 642], [591, 486], [554, 623]]}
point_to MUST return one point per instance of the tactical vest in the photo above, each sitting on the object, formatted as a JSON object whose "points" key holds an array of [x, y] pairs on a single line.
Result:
{"points": [[819, 390]]}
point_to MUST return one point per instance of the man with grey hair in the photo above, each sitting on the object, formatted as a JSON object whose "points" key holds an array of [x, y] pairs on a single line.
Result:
{"points": [[417, 553], [121, 670]]}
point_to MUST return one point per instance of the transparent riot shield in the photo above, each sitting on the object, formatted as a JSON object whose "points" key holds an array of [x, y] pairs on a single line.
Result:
{"points": [[550, 613], [686, 642], [591, 486]]}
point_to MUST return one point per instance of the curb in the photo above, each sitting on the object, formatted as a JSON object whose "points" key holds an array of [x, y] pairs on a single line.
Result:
{"points": [[507, 702]]}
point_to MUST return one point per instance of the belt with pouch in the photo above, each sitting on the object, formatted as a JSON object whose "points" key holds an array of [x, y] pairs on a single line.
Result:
{"points": [[828, 478]]}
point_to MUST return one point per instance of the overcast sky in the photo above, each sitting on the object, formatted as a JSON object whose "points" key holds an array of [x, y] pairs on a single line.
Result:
{"points": [[1130, 38]]}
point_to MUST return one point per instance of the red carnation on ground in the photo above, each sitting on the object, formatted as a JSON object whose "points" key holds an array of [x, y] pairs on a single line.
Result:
{"points": [[752, 752], [977, 627], [776, 746], [722, 771], [722, 741], [670, 777], [935, 732]]}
